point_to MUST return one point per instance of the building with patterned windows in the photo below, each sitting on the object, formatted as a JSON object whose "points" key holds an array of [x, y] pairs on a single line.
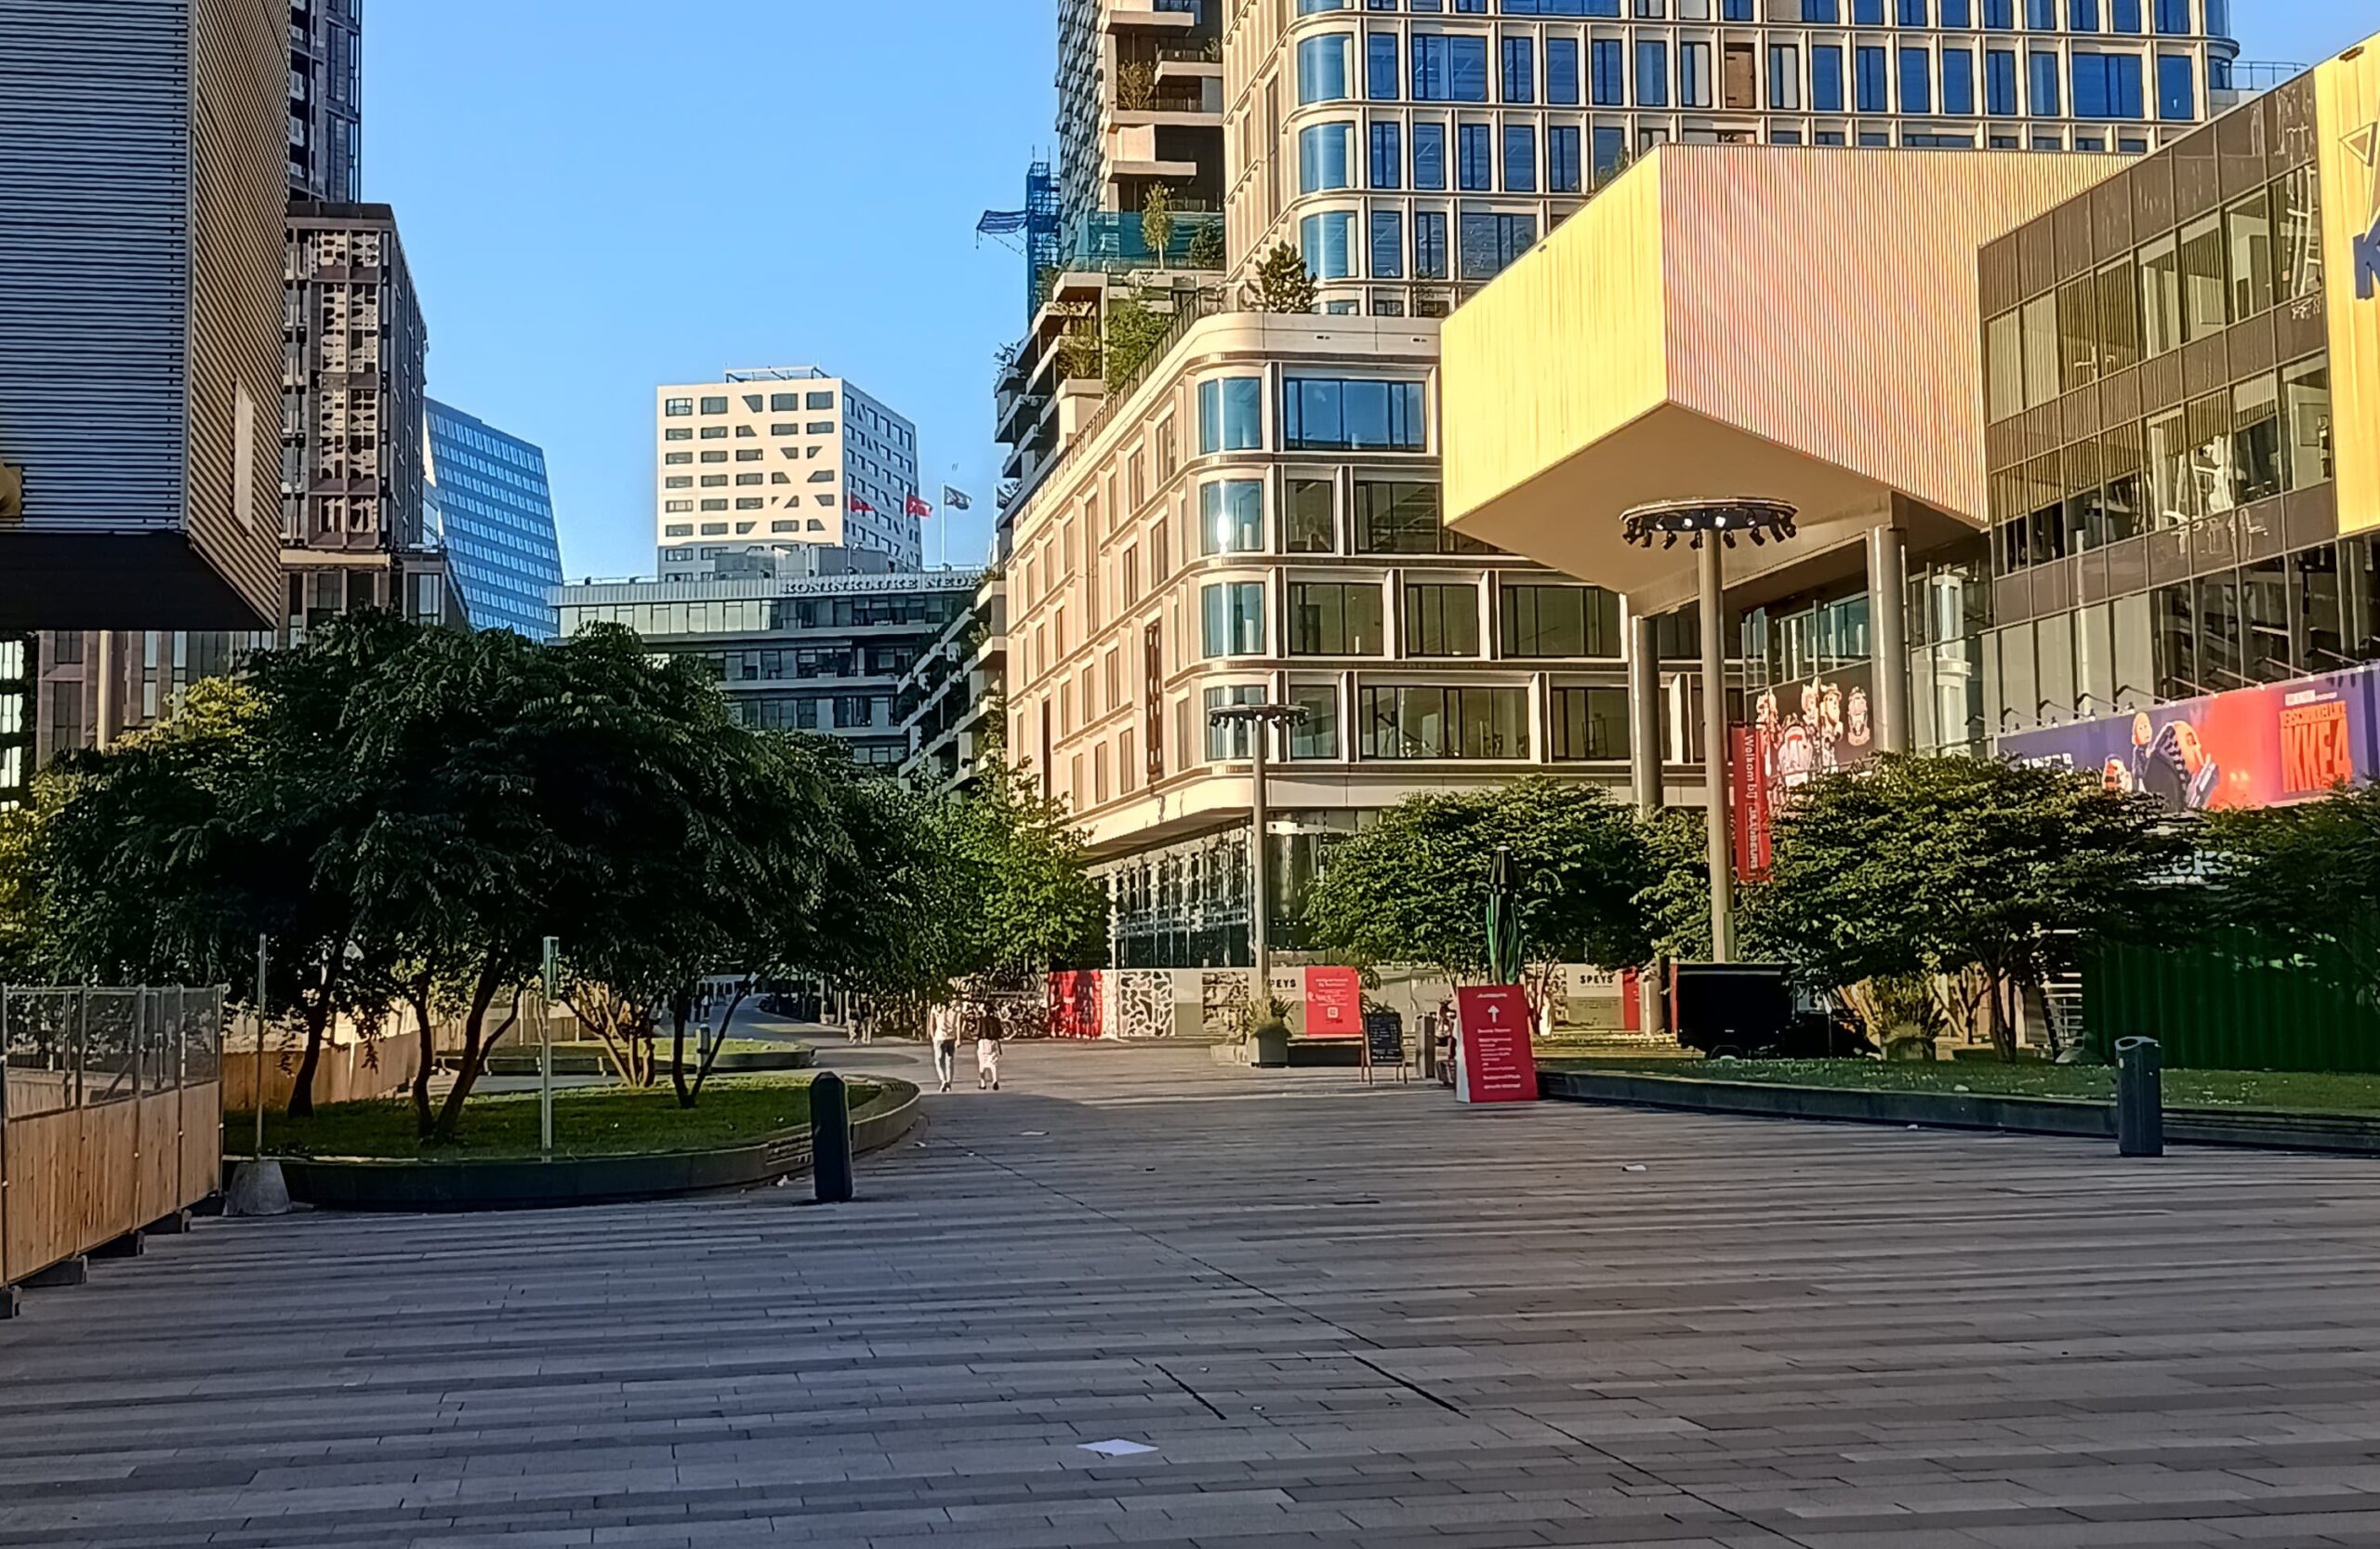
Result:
{"points": [[772, 461], [1411, 149], [327, 100], [494, 516]]}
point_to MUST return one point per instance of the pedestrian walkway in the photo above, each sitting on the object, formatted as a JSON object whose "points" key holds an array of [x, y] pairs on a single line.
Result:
{"points": [[1338, 1317]]}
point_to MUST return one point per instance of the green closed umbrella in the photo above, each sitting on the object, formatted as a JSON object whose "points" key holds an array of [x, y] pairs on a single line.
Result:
{"points": [[1503, 918]]}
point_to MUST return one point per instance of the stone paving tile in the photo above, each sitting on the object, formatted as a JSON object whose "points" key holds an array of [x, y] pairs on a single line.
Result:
{"points": [[1348, 1319]]}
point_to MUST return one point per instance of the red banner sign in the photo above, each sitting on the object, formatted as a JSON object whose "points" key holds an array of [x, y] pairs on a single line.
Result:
{"points": [[1074, 1005], [1748, 794], [1497, 1063], [1334, 1002]]}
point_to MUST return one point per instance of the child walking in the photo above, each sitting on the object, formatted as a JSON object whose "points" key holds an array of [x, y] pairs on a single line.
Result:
{"points": [[987, 1051]]}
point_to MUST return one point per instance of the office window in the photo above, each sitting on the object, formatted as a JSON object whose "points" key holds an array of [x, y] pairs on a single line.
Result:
{"points": [[1474, 163], [1563, 171], [1873, 89], [1827, 11], [1520, 70], [1324, 153], [1958, 82], [2306, 401], [1449, 68], [1492, 240], [1336, 618], [1317, 735], [1327, 241], [1307, 519], [1442, 722], [1441, 620], [1429, 155], [1608, 73], [1826, 77], [2082, 16], [1332, 414], [2204, 292], [678, 406], [714, 405], [1868, 13], [1520, 158], [1388, 245], [1231, 516], [1562, 71], [1431, 259], [1784, 78], [2000, 83], [817, 401], [2000, 15], [1380, 67], [2107, 86], [1652, 73], [1958, 13], [1588, 724], [1322, 68], [1916, 81], [1231, 415], [1540, 621], [1231, 618], [2123, 16], [1387, 155], [2173, 17], [1694, 75], [2177, 87], [2045, 87]]}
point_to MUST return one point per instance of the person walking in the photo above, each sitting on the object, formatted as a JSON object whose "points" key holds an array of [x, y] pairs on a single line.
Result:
{"points": [[942, 1029], [987, 1051]]}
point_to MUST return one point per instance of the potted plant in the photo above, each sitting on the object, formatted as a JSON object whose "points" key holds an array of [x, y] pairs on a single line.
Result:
{"points": [[1268, 1035]]}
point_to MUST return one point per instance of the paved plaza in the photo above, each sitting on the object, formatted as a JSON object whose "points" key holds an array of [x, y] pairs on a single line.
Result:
{"points": [[1360, 1320]]}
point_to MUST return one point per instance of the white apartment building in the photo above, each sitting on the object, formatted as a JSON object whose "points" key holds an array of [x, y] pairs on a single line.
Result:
{"points": [[1412, 149], [775, 459]]}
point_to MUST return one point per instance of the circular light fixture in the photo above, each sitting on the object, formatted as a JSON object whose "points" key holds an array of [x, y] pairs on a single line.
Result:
{"points": [[1697, 521]]}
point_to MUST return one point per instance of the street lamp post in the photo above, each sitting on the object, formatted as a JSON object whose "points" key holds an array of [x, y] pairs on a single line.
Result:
{"points": [[1260, 719], [1699, 521]]}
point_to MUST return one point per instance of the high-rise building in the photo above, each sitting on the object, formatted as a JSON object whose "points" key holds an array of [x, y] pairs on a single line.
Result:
{"points": [[1412, 158], [1139, 105], [494, 516], [821, 647], [1252, 511], [355, 412], [771, 460], [325, 100], [140, 297]]}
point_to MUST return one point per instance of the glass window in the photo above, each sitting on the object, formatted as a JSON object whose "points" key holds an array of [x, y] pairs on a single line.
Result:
{"points": [[2222, 662], [1694, 75], [1652, 73], [1399, 516], [2171, 491], [1588, 724], [2317, 626], [2078, 332], [1564, 160], [1231, 415], [1388, 245], [1449, 68], [2247, 228], [1540, 621], [1431, 260], [1322, 68], [2207, 430], [1441, 620], [1520, 158], [2107, 86], [2297, 212], [2039, 320], [1327, 241], [2003, 365], [678, 406], [1492, 240], [2256, 441], [1958, 81], [2119, 320], [1429, 155], [714, 405], [1336, 618], [1916, 81], [1232, 619], [2046, 86], [1231, 516], [1826, 77], [2000, 83], [2160, 298], [1873, 88], [1608, 72], [1306, 517], [2203, 291], [1520, 69], [817, 400], [1325, 155], [1562, 71], [2177, 87], [1332, 414], [1474, 159], [1387, 156], [2306, 397], [1380, 67], [1233, 740], [1398, 722], [1315, 736]]}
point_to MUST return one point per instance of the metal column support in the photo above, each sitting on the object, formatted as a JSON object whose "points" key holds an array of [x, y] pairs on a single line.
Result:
{"points": [[1709, 555], [1888, 591], [1259, 868], [1645, 753]]}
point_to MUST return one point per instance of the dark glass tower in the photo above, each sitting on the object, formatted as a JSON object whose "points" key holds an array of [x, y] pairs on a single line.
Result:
{"points": [[488, 492]]}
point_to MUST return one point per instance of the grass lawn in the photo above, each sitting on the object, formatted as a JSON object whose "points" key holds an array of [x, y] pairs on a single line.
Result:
{"points": [[2268, 1091], [588, 1121]]}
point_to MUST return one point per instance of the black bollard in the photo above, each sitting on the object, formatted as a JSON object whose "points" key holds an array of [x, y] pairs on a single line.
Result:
{"points": [[2140, 1099], [830, 1139]]}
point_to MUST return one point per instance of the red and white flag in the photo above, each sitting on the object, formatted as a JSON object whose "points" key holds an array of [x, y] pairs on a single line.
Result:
{"points": [[861, 507], [919, 507]]}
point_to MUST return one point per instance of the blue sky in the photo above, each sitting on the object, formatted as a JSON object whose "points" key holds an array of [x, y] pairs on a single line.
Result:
{"points": [[598, 197]]}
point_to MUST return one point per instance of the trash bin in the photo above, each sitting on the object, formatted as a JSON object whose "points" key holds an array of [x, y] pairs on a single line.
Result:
{"points": [[2140, 1099]]}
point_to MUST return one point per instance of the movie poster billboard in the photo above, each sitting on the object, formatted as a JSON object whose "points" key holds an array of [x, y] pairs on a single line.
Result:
{"points": [[2250, 748], [1799, 730]]}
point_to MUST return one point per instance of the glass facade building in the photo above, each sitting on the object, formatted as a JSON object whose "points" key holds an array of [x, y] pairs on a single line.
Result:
{"points": [[487, 491]]}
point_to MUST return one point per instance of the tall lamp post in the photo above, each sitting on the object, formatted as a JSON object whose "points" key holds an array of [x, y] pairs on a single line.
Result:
{"points": [[1261, 719], [1698, 522]]}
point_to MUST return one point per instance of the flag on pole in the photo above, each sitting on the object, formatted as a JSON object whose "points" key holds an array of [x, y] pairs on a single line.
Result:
{"points": [[957, 500], [861, 507], [917, 505]]}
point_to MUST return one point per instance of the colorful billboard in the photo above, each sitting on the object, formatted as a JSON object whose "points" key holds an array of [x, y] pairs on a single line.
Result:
{"points": [[2250, 748], [2347, 97], [1798, 732]]}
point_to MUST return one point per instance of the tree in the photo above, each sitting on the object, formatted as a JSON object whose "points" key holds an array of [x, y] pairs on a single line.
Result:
{"points": [[1935, 864], [1157, 222], [1676, 901], [1133, 335], [1207, 250], [1284, 284], [1413, 887], [2309, 874], [1136, 86]]}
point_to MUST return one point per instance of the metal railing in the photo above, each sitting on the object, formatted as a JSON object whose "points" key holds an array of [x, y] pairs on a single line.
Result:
{"points": [[66, 1048]]}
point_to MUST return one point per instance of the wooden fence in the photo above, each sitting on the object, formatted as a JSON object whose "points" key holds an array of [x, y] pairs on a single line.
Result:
{"points": [[111, 1116]]}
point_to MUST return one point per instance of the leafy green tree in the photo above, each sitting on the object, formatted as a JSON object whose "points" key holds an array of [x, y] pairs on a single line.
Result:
{"points": [[1283, 283], [1413, 887], [1157, 222], [1135, 332], [1207, 250], [2307, 873], [1936, 865], [1676, 901]]}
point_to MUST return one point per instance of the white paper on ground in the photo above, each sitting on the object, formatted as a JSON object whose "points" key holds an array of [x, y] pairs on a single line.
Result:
{"points": [[1117, 1449]]}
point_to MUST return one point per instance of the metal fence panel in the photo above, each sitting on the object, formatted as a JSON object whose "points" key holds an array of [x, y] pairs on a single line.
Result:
{"points": [[66, 1048], [2240, 1001]]}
